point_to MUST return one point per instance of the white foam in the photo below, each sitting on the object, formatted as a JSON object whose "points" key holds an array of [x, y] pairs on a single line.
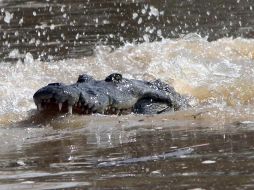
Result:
{"points": [[219, 71]]}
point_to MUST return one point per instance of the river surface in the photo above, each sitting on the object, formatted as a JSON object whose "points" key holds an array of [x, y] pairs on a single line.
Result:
{"points": [[204, 49]]}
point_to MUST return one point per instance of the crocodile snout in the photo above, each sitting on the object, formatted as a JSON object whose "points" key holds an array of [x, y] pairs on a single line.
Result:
{"points": [[56, 94]]}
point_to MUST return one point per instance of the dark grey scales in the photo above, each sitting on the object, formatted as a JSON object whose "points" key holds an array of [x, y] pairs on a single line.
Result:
{"points": [[114, 95]]}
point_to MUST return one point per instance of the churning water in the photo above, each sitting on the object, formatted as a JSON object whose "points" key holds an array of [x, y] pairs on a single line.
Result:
{"points": [[206, 52]]}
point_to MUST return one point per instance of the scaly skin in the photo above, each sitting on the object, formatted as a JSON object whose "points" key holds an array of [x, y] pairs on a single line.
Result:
{"points": [[114, 95]]}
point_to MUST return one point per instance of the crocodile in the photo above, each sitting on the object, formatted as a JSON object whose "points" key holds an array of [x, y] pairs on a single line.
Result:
{"points": [[114, 95]]}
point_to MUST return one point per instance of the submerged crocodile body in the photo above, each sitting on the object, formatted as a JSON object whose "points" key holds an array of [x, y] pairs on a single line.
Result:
{"points": [[114, 95]]}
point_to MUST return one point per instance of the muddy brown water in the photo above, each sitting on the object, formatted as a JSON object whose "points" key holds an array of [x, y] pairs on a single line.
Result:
{"points": [[204, 50]]}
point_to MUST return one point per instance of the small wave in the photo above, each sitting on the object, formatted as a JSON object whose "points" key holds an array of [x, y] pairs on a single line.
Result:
{"points": [[177, 153], [218, 72]]}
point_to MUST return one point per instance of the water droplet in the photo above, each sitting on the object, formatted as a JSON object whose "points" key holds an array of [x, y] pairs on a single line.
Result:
{"points": [[8, 17]]}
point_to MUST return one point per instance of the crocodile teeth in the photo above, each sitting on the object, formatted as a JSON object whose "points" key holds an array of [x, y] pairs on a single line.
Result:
{"points": [[70, 109], [39, 107], [60, 105]]}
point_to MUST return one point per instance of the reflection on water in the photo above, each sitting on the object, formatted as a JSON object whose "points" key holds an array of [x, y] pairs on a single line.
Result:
{"points": [[88, 152], [187, 44]]}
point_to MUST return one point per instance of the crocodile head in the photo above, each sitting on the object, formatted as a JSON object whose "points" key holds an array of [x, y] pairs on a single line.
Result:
{"points": [[114, 95]]}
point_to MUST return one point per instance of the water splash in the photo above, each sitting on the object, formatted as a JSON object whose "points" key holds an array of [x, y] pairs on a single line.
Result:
{"points": [[214, 73]]}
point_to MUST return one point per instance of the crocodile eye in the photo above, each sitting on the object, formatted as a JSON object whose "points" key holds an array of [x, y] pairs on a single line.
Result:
{"points": [[84, 78], [55, 84], [114, 77]]}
